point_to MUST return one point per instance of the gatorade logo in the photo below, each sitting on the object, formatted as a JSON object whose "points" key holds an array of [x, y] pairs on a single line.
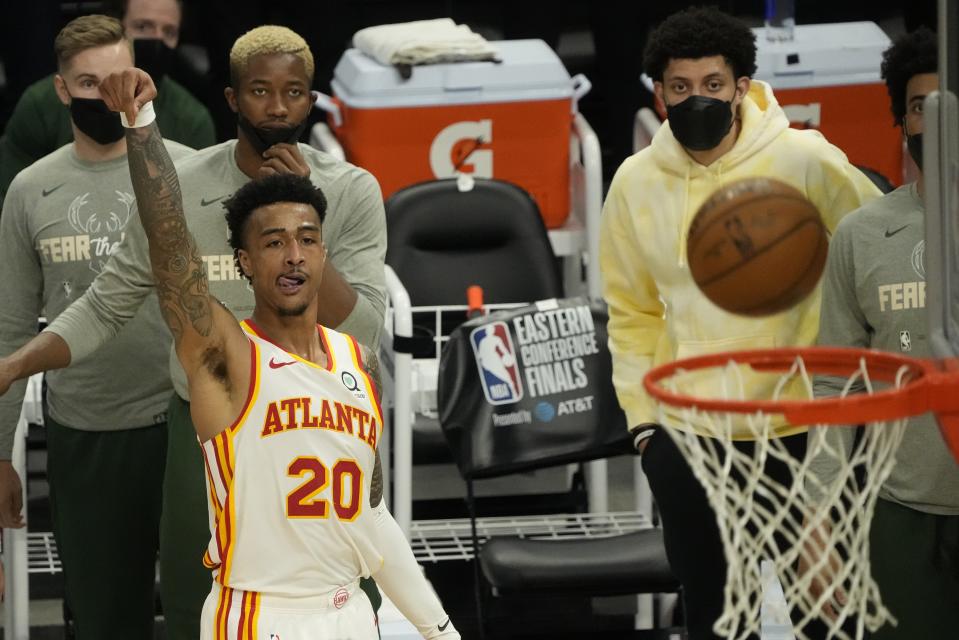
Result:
{"points": [[459, 148]]}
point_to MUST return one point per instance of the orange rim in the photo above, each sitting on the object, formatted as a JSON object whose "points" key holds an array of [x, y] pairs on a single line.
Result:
{"points": [[927, 385], [912, 398]]}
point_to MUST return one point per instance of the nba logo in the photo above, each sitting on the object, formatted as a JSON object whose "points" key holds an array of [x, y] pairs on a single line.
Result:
{"points": [[496, 360], [905, 341]]}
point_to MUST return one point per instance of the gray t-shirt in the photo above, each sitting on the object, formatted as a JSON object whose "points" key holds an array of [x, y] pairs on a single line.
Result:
{"points": [[62, 219], [354, 231], [874, 295]]}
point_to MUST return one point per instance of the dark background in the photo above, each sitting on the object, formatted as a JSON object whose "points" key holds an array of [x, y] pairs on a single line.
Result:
{"points": [[603, 39]]}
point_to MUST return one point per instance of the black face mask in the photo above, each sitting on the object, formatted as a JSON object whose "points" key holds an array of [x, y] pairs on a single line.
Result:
{"points": [[153, 56], [914, 144], [700, 122], [94, 119], [262, 138]]}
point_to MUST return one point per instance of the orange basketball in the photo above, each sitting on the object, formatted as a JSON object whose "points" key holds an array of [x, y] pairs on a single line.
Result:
{"points": [[757, 247]]}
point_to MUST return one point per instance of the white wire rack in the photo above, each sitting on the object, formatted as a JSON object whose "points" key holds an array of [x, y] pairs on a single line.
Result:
{"points": [[442, 540], [25, 552], [42, 556], [438, 312], [424, 371]]}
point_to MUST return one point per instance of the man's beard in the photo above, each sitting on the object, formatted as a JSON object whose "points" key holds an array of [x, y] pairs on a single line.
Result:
{"points": [[293, 312]]}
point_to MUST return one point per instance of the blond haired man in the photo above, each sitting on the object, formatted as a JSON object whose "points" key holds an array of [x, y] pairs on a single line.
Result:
{"points": [[106, 436], [272, 72]]}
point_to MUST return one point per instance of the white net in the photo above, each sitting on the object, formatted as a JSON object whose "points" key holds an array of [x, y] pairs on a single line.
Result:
{"points": [[773, 505]]}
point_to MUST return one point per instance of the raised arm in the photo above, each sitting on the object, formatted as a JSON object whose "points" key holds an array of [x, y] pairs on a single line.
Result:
{"points": [[178, 269], [209, 342]]}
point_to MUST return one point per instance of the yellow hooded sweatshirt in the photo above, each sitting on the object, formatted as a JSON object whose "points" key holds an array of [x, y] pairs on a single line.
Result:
{"points": [[656, 312]]}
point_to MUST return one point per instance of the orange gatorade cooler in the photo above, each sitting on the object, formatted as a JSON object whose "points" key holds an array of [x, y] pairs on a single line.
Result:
{"points": [[508, 120], [827, 78]]}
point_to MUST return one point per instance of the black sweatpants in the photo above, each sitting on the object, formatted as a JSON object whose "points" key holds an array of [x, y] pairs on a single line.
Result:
{"points": [[105, 496], [691, 535], [915, 562]]}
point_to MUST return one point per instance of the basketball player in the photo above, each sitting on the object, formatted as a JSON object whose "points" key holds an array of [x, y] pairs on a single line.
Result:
{"points": [[722, 126], [295, 483], [874, 297], [270, 93]]}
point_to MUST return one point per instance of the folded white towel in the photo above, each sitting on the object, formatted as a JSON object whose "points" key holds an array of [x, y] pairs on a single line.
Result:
{"points": [[423, 42]]}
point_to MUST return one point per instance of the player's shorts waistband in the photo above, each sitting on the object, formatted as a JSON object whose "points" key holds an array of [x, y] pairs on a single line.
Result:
{"points": [[335, 598]]}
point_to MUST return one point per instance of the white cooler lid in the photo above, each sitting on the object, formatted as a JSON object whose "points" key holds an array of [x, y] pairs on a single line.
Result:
{"points": [[821, 55], [529, 70]]}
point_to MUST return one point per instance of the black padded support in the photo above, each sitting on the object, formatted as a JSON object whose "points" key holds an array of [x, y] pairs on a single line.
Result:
{"points": [[618, 565], [442, 240], [404, 344]]}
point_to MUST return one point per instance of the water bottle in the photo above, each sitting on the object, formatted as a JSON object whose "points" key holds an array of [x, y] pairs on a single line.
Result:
{"points": [[780, 20], [474, 301]]}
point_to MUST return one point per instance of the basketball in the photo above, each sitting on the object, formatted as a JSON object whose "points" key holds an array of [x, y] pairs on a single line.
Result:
{"points": [[757, 247]]}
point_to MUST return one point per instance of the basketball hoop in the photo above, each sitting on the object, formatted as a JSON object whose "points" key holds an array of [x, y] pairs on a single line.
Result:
{"points": [[808, 520]]}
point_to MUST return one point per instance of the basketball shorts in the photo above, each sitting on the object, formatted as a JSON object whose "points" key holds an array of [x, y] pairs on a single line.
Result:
{"points": [[344, 613]]}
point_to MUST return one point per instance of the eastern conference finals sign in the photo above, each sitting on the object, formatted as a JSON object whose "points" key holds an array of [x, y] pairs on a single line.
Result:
{"points": [[544, 355]]}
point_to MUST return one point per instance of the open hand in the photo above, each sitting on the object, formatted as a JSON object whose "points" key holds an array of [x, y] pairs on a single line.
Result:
{"points": [[826, 571]]}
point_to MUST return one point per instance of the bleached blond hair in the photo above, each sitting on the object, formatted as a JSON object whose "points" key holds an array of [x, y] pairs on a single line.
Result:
{"points": [[267, 40]]}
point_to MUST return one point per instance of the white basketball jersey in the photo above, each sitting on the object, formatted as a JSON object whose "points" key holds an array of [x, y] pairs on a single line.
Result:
{"points": [[289, 482]]}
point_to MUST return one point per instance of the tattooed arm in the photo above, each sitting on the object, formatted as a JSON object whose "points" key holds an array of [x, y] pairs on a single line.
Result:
{"points": [[178, 269], [209, 342], [371, 365]]}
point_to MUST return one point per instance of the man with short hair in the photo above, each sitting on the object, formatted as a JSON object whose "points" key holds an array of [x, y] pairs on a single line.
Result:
{"points": [[722, 126], [150, 20], [106, 417], [273, 71], [38, 124], [295, 480], [875, 255]]}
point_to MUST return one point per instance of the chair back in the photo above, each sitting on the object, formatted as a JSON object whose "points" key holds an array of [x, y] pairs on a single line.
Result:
{"points": [[528, 388], [442, 240]]}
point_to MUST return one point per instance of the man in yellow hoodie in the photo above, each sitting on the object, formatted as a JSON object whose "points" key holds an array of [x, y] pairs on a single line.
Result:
{"points": [[722, 126]]}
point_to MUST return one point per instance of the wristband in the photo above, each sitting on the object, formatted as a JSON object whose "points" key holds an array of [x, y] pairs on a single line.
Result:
{"points": [[643, 432], [145, 116]]}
